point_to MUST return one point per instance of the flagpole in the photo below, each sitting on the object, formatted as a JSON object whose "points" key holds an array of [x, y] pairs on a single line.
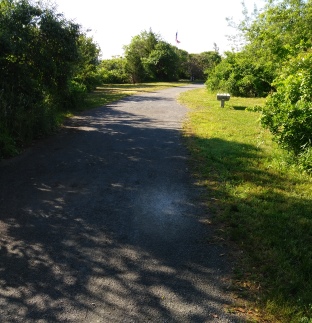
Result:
{"points": [[176, 39]]}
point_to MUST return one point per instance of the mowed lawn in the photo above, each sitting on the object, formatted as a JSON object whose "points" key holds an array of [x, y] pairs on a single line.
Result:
{"points": [[261, 205]]}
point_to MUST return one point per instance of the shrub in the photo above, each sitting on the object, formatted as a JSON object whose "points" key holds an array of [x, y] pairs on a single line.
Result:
{"points": [[113, 71], [7, 144], [46, 65], [239, 75], [113, 76], [288, 111], [76, 95]]}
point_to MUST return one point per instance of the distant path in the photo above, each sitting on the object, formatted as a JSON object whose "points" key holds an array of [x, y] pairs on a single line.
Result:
{"points": [[101, 223]]}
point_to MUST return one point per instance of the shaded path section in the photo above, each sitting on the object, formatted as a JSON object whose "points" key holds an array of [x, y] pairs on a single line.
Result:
{"points": [[101, 223]]}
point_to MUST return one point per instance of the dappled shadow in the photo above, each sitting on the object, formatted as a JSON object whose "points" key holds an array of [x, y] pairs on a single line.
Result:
{"points": [[101, 223], [239, 162], [262, 215]]}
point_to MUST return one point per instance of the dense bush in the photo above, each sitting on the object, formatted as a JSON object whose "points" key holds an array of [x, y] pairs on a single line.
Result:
{"points": [[136, 52], [240, 76], [86, 68], [275, 61], [45, 62], [161, 63], [288, 111], [149, 58], [113, 71]]}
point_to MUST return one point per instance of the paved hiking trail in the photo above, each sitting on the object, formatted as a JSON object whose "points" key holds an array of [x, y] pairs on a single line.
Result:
{"points": [[102, 222]]}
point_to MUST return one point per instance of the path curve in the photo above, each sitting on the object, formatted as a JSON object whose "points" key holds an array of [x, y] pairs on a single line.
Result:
{"points": [[102, 223]]}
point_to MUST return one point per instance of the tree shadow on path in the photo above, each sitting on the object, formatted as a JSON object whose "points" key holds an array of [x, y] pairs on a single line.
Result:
{"points": [[101, 223]]}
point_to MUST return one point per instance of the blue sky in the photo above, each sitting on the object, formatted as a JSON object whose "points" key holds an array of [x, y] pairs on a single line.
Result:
{"points": [[199, 23]]}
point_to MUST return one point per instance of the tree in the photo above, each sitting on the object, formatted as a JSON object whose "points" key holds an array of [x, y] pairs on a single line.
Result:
{"points": [[139, 49], [204, 63], [39, 56], [280, 31], [183, 67], [288, 111], [162, 63], [239, 75], [86, 69], [209, 60], [114, 71], [57, 41], [150, 58], [196, 66], [278, 43]]}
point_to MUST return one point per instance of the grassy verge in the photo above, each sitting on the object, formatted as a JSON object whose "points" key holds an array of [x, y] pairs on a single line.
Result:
{"points": [[263, 203]]}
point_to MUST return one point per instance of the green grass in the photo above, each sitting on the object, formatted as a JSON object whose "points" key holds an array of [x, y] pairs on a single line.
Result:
{"points": [[262, 201]]}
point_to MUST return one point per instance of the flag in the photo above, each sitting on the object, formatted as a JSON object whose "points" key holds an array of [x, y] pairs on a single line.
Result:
{"points": [[177, 41]]}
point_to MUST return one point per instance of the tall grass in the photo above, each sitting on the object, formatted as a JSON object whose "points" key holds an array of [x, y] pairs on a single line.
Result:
{"points": [[262, 201]]}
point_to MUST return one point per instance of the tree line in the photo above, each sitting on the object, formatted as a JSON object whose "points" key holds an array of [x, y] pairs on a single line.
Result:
{"points": [[275, 62], [48, 64], [149, 58]]}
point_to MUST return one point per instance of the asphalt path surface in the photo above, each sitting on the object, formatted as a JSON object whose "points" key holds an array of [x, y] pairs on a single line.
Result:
{"points": [[103, 222]]}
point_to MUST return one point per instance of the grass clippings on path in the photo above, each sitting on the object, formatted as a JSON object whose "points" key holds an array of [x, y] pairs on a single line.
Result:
{"points": [[262, 201]]}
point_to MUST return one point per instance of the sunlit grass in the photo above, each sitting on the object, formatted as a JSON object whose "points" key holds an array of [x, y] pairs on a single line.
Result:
{"points": [[263, 203]]}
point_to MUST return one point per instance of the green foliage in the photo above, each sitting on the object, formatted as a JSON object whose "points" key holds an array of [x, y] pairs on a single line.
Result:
{"points": [[7, 144], [200, 65], [196, 66], [162, 63], [139, 49], [76, 94], [208, 61], [288, 112], [148, 58], [238, 74], [183, 59], [284, 30], [218, 78], [278, 42], [86, 69], [113, 71], [41, 55], [281, 30], [263, 204]]}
